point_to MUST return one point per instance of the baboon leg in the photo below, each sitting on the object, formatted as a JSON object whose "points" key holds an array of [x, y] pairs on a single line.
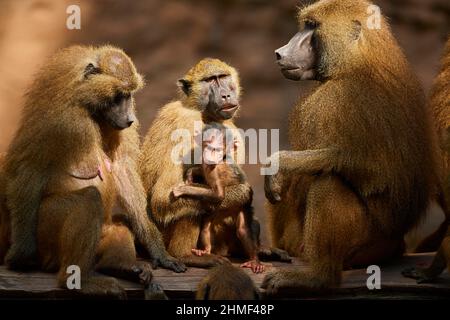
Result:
{"points": [[335, 220], [75, 219], [116, 256], [440, 261], [182, 236], [5, 231], [266, 253], [433, 241]]}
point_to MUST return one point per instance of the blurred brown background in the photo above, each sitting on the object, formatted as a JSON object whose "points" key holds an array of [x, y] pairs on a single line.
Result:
{"points": [[165, 38]]}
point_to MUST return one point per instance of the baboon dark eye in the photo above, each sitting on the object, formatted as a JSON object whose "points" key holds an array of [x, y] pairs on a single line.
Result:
{"points": [[120, 96], [91, 69], [210, 79]]}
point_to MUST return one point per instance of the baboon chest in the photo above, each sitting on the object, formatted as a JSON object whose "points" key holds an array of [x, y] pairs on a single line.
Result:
{"points": [[94, 172]]}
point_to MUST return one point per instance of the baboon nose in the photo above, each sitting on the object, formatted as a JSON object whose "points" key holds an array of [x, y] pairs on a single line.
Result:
{"points": [[131, 119], [278, 55]]}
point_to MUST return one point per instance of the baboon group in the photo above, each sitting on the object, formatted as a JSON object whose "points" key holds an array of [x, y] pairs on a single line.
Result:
{"points": [[369, 154]]}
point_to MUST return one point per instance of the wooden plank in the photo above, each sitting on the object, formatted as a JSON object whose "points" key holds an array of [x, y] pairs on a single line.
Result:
{"points": [[183, 285]]}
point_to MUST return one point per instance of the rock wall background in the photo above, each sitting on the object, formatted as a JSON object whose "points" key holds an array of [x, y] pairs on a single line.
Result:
{"points": [[165, 38]]}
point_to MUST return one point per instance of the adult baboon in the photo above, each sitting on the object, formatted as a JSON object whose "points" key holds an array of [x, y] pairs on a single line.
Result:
{"points": [[209, 93], [72, 160], [362, 172]]}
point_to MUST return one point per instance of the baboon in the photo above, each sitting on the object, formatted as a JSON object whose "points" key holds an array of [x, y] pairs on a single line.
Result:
{"points": [[218, 171], [4, 219], [73, 159], [226, 282], [440, 106], [363, 169], [209, 92]]}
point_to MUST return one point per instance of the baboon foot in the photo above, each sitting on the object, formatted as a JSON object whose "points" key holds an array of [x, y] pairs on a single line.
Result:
{"points": [[281, 279], [274, 254], [255, 265], [103, 287], [154, 291], [200, 252], [418, 274]]}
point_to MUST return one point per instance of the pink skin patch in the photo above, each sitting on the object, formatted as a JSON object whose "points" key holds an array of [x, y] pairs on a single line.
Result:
{"points": [[115, 61], [108, 165], [108, 168], [99, 172]]}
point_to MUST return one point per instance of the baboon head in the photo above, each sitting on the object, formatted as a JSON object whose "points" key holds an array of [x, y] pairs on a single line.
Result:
{"points": [[218, 143], [105, 86], [212, 87], [332, 39]]}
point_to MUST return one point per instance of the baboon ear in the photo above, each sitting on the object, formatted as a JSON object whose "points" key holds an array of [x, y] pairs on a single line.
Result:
{"points": [[185, 85], [356, 29]]}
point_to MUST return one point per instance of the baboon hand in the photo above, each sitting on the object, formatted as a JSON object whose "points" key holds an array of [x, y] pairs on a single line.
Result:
{"points": [[272, 187], [169, 262], [178, 191]]}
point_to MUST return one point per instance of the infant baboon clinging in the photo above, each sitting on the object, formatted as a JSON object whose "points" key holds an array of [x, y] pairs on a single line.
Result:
{"points": [[209, 93], [363, 171], [72, 160], [440, 105], [218, 170], [227, 282]]}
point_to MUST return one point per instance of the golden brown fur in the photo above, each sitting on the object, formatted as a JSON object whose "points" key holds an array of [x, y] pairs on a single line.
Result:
{"points": [[180, 219], [227, 282], [368, 174], [440, 105], [68, 220]]}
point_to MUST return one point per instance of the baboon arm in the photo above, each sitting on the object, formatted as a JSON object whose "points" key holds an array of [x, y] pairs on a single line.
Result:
{"points": [[236, 196], [200, 193], [307, 161], [131, 196], [297, 162]]}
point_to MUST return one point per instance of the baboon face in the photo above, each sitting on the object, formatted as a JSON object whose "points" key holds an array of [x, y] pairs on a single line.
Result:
{"points": [[212, 87], [298, 59], [109, 81], [218, 95], [222, 100], [217, 145], [119, 114]]}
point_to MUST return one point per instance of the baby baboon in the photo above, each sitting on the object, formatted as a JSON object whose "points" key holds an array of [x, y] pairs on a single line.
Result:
{"points": [[209, 93], [72, 160], [363, 171], [440, 105], [227, 282], [218, 171]]}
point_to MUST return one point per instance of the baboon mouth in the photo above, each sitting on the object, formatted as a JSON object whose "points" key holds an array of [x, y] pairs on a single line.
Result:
{"points": [[283, 69], [288, 68], [229, 107]]}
